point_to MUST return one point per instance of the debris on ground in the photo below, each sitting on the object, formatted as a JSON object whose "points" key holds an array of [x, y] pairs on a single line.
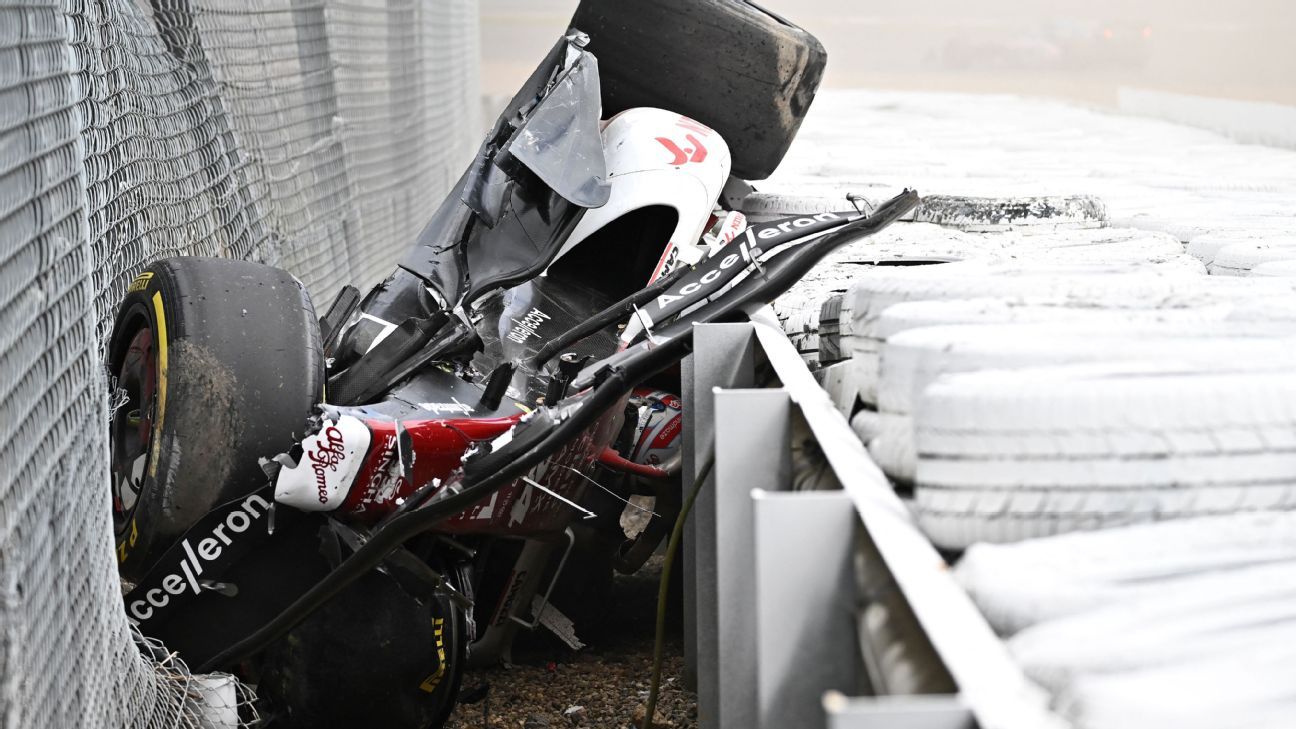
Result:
{"points": [[658, 721], [605, 685]]}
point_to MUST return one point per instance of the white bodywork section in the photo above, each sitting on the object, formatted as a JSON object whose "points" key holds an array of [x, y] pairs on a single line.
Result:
{"points": [[330, 461], [658, 157]]}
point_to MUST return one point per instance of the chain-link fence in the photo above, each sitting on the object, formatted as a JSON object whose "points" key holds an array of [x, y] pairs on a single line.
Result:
{"points": [[317, 135]]}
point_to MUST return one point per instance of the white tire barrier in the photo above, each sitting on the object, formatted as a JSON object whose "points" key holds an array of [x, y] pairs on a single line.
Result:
{"points": [[914, 359], [1239, 258], [1010, 455], [866, 424], [1276, 269], [1022, 584], [1207, 247], [799, 308], [1225, 612], [1129, 285], [1186, 623], [1239, 689], [1035, 310], [1101, 246], [911, 244]]}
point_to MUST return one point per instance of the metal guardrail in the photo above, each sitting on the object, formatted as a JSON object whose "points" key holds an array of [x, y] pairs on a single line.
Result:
{"points": [[824, 608]]}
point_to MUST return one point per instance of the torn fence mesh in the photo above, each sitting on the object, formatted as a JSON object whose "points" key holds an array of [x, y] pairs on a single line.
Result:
{"points": [[317, 136]]}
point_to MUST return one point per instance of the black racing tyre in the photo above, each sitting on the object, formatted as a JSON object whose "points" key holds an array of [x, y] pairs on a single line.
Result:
{"points": [[216, 363], [373, 656], [737, 68]]}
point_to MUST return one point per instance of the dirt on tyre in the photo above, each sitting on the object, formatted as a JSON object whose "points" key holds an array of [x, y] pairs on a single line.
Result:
{"points": [[215, 364]]}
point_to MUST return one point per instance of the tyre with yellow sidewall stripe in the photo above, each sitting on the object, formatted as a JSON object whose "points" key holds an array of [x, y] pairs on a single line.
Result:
{"points": [[214, 364]]}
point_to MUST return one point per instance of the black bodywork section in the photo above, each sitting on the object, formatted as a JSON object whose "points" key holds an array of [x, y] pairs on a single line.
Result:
{"points": [[540, 168]]}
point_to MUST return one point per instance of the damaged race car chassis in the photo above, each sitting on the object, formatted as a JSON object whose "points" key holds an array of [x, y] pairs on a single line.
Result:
{"points": [[350, 584]]}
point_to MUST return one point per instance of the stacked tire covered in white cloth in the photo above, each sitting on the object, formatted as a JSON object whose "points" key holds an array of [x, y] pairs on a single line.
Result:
{"points": [[1188, 624], [1012, 454], [1126, 285], [1130, 448], [1186, 407], [1053, 379], [1234, 255], [1110, 443], [917, 244], [914, 360], [1062, 230]]}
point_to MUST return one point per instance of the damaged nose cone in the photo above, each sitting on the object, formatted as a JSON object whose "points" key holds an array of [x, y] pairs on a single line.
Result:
{"points": [[331, 460]]}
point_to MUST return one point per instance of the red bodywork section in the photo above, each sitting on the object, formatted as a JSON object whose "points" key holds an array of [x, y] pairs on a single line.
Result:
{"points": [[439, 445]]}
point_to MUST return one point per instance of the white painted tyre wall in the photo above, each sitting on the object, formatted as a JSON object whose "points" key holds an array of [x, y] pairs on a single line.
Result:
{"points": [[798, 308], [1198, 613], [1122, 285], [1207, 247], [1017, 454], [1033, 581], [1275, 269], [1193, 185], [913, 360], [1238, 259]]}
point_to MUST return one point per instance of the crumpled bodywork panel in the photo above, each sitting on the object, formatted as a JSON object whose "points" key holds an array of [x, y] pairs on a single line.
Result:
{"points": [[540, 168]]}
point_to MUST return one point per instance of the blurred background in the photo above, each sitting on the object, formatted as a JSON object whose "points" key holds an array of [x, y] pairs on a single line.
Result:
{"points": [[1082, 50]]}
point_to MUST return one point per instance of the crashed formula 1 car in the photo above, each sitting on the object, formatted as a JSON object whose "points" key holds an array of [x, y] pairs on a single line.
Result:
{"points": [[342, 510]]}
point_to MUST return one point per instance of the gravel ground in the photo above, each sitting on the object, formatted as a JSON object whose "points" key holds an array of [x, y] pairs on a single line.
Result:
{"points": [[603, 685]]}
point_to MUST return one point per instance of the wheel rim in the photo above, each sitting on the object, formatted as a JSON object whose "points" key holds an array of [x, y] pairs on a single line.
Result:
{"points": [[131, 430]]}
